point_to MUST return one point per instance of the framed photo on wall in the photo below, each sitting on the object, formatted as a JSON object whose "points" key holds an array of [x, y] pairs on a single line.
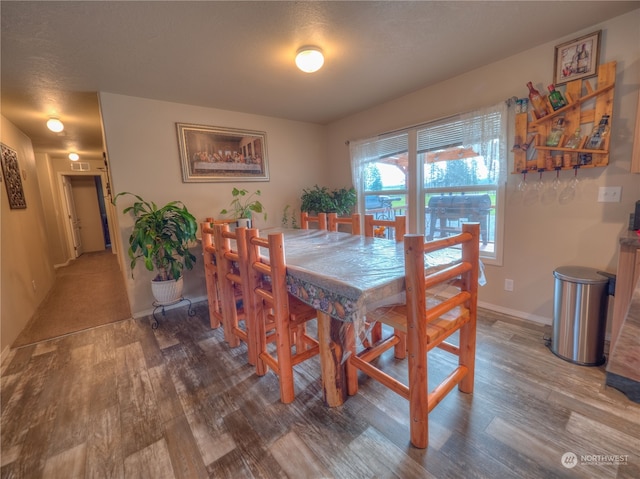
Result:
{"points": [[210, 153], [12, 179], [577, 59]]}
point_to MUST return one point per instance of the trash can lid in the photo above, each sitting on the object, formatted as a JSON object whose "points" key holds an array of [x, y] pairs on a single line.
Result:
{"points": [[580, 274]]}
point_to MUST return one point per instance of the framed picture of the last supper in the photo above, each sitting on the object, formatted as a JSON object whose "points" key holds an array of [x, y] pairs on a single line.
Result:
{"points": [[209, 153]]}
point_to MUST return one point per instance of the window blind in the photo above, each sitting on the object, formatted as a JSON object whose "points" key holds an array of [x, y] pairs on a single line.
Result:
{"points": [[459, 131], [390, 146]]}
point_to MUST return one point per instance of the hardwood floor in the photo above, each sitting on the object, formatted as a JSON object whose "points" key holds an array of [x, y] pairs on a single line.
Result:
{"points": [[123, 400]]}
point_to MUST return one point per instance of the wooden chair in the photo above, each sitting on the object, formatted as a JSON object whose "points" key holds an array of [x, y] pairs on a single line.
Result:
{"points": [[428, 323], [230, 266], [378, 227], [353, 221], [320, 220], [211, 271], [268, 302]]}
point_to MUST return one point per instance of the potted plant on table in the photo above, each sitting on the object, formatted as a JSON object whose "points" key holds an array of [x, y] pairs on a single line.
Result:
{"points": [[161, 238], [322, 200], [243, 206]]}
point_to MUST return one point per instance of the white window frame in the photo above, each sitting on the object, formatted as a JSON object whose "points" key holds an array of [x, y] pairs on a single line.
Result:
{"points": [[373, 149]]}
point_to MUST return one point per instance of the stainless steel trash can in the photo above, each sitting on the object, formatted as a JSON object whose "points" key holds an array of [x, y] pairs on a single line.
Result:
{"points": [[579, 315]]}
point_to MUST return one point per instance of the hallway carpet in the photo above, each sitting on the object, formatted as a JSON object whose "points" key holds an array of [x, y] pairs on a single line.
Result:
{"points": [[89, 292]]}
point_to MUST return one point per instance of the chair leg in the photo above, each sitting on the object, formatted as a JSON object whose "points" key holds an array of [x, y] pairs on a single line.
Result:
{"points": [[214, 322], [468, 355], [229, 316], [213, 299], [229, 324], [400, 349], [283, 350], [418, 390], [259, 337], [299, 332], [376, 332]]}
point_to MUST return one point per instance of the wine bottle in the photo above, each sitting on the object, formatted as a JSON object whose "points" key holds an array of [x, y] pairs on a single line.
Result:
{"points": [[553, 139], [538, 103], [574, 140], [555, 98], [600, 132]]}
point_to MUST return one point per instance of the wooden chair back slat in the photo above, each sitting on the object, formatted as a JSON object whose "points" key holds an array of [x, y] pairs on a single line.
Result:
{"points": [[399, 225], [320, 220], [353, 221]]}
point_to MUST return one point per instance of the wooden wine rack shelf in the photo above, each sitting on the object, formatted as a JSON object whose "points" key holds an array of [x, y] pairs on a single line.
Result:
{"points": [[575, 115]]}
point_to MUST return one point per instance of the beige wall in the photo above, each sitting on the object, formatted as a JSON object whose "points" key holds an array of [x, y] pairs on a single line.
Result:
{"points": [[538, 238], [52, 214], [142, 147], [24, 247]]}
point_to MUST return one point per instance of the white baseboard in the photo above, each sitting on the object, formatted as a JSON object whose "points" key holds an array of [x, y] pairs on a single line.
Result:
{"points": [[516, 313], [56, 266]]}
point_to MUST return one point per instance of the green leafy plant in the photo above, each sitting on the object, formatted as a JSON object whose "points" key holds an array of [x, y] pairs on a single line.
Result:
{"points": [[289, 218], [161, 237], [243, 204], [322, 200], [345, 199]]}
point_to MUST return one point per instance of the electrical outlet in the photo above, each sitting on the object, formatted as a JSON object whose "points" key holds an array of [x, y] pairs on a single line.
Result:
{"points": [[508, 285], [609, 194]]}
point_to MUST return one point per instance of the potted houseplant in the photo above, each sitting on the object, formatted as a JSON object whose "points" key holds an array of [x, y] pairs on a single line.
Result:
{"points": [[344, 199], [322, 200], [243, 205], [289, 218], [161, 238]]}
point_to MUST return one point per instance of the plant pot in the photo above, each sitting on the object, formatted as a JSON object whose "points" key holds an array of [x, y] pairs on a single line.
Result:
{"points": [[167, 292], [243, 223]]}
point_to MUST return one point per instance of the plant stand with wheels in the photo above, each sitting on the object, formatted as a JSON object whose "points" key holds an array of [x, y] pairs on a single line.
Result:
{"points": [[161, 306]]}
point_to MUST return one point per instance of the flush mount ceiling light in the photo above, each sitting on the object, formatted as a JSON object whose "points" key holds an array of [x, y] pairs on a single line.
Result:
{"points": [[55, 125], [74, 156], [309, 59]]}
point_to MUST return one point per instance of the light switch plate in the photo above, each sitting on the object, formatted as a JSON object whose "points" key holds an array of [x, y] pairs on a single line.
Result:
{"points": [[609, 194]]}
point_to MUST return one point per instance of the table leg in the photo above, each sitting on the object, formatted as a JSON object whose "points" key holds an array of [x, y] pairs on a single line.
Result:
{"points": [[332, 337]]}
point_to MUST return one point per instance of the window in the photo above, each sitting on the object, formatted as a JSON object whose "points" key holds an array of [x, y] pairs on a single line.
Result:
{"points": [[439, 175], [384, 179]]}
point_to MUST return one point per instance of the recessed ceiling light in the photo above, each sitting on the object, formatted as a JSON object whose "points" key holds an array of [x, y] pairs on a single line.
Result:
{"points": [[74, 156], [55, 125], [309, 59]]}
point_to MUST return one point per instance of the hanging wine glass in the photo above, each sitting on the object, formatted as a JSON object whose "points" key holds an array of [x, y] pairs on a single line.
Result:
{"points": [[551, 191], [518, 194], [532, 194], [569, 192]]}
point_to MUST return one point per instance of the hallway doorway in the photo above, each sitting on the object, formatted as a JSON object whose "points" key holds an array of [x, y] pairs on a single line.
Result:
{"points": [[86, 222]]}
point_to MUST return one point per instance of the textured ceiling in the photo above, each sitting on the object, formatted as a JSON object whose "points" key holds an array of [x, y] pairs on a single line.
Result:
{"points": [[239, 55]]}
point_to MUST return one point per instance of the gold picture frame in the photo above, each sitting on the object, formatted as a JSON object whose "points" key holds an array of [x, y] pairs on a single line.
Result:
{"points": [[212, 154], [576, 59]]}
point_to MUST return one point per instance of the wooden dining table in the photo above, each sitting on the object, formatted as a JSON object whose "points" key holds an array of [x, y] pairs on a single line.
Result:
{"points": [[342, 276]]}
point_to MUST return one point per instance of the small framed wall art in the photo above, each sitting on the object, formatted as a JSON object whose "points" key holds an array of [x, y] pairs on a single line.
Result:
{"points": [[12, 179], [577, 58], [209, 153]]}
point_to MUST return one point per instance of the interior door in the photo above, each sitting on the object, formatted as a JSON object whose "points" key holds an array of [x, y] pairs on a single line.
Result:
{"points": [[74, 222], [85, 197]]}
